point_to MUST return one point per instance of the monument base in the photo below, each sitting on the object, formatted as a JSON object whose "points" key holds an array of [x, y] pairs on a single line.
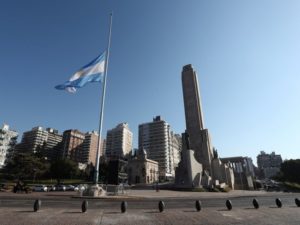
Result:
{"points": [[94, 191]]}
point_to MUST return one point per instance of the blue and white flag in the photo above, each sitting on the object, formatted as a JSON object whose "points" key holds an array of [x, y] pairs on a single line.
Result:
{"points": [[92, 72]]}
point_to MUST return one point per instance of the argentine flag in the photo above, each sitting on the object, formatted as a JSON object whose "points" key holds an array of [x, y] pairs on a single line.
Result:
{"points": [[92, 72]]}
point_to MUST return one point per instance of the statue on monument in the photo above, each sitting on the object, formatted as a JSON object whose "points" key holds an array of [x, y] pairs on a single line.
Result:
{"points": [[215, 153]]}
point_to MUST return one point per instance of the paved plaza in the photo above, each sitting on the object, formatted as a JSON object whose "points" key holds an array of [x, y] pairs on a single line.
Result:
{"points": [[63, 208]]}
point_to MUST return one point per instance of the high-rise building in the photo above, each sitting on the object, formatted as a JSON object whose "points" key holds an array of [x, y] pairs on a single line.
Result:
{"points": [[8, 140], [32, 140], [73, 145], [199, 137], [118, 141], [53, 145], [269, 164], [48, 142], [265, 160], [90, 145], [161, 145]]}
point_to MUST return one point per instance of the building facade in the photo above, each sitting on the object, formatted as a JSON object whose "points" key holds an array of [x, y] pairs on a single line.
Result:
{"points": [[46, 141], [269, 164], [90, 145], [161, 145], [73, 145], [8, 140], [53, 144], [32, 140], [142, 170], [118, 141]]}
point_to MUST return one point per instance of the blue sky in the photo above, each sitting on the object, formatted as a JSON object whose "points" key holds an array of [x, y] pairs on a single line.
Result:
{"points": [[246, 54]]}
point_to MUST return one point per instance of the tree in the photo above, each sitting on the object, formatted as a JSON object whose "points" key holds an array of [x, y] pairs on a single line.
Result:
{"points": [[25, 165], [290, 170], [64, 168]]}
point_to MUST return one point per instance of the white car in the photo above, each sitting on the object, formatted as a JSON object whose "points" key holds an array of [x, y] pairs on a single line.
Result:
{"points": [[40, 187], [80, 187]]}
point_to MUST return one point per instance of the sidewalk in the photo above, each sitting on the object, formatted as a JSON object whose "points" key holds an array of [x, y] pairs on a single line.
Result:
{"points": [[186, 194]]}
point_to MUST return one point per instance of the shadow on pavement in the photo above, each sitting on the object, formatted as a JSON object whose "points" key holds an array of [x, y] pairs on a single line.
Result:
{"points": [[73, 212], [152, 212], [25, 211], [112, 213]]}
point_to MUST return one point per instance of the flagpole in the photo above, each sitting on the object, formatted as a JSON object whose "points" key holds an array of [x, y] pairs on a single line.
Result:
{"points": [[96, 174]]}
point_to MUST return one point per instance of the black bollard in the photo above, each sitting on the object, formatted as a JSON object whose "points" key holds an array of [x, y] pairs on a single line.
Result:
{"points": [[123, 207], [278, 202], [255, 203], [228, 204], [297, 201], [37, 205], [198, 205], [161, 206], [84, 206]]}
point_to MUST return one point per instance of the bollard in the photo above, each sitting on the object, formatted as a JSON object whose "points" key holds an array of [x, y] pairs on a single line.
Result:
{"points": [[161, 206], [198, 205], [255, 203], [123, 207], [37, 205], [297, 201], [228, 204], [278, 202], [84, 206]]}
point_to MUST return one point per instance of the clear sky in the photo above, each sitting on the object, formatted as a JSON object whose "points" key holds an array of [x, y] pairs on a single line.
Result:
{"points": [[246, 54]]}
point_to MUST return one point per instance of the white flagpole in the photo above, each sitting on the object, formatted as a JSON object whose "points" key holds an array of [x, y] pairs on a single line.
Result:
{"points": [[96, 174]]}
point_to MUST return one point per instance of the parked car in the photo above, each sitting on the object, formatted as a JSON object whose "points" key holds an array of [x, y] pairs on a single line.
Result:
{"points": [[40, 187], [70, 188], [51, 188], [60, 187], [80, 187]]}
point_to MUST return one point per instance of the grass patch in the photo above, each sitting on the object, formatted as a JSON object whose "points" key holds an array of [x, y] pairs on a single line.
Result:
{"points": [[188, 189], [198, 190], [292, 186]]}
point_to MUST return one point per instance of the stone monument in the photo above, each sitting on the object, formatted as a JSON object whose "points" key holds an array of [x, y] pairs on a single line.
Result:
{"points": [[198, 148]]}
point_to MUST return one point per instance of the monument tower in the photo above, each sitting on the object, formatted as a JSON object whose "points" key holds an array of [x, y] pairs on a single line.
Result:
{"points": [[200, 166], [199, 136]]}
